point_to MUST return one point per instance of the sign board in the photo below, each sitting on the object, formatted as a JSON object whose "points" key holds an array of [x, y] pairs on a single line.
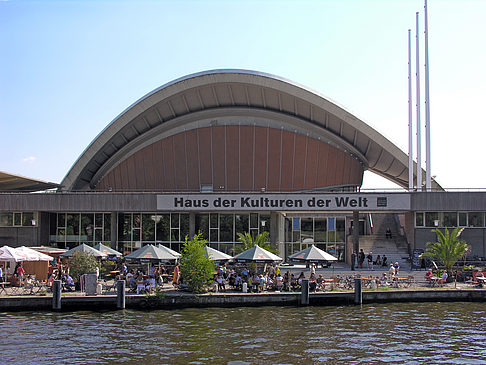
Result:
{"points": [[284, 202]]}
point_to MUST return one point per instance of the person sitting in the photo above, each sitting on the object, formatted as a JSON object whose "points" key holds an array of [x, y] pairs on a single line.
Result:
{"points": [[300, 278], [293, 283], [238, 282], [312, 283], [428, 275], [29, 284], [392, 271], [384, 261], [279, 284], [140, 284], [321, 284], [68, 283], [388, 233], [378, 260], [150, 286], [220, 281], [443, 278], [261, 283], [383, 279], [397, 268]]}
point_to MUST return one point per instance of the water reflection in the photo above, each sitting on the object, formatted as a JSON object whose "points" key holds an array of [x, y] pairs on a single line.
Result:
{"points": [[404, 333]]}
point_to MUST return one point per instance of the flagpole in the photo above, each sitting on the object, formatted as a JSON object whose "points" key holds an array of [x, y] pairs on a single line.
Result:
{"points": [[428, 181], [410, 128], [419, 137]]}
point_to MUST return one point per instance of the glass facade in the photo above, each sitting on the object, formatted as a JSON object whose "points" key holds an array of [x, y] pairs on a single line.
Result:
{"points": [[219, 229], [72, 229], [450, 219], [327, 233], [18, 219]]}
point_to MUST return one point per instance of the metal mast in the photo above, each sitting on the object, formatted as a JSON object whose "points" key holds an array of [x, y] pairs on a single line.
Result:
{"points": [[428, 182], [419, 136], [410, 128]]}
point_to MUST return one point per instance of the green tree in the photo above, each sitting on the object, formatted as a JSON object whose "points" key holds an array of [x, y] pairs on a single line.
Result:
{"points": [[82, 263], [248, 241], [196, 268], [448, 249]]}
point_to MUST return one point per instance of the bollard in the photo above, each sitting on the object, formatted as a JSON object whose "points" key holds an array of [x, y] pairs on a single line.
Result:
{"points": [[358, 295], [304, 296], [120, 294], [56, 294]]}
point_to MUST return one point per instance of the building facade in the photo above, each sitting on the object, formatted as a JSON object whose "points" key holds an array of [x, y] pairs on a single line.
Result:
{"points": [[226, 152]]}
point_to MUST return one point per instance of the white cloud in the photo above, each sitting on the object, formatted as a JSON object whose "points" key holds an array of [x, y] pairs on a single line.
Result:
{"points": [[29, 159]]}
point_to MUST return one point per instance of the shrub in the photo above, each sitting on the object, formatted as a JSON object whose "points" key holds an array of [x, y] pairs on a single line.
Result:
{"points": [[196, 268], [82, 263]]}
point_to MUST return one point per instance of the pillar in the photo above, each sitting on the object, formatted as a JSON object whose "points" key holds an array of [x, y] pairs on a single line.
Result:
{"points": [[192, 224], [358, 294], [56, 294], [120, 294], [304, 296], [114, 230], [356, 231]]}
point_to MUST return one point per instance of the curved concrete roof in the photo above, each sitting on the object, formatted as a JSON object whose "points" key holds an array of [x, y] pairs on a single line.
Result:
{"points": [[241, 97]]}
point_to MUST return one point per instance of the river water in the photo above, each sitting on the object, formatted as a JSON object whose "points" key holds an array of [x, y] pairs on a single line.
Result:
{"points": [[414, 333]]}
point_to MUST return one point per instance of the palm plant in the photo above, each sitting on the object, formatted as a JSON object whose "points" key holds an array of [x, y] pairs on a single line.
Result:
{"points": [[248, 241], [448, 249]]}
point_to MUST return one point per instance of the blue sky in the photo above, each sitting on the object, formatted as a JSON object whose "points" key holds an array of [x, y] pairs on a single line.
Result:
{"points": [[68, 68]]}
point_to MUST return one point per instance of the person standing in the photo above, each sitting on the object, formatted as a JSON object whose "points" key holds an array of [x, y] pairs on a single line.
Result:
{"points": [[369, 258], [361, 258], [353, 260], [20, 272]]}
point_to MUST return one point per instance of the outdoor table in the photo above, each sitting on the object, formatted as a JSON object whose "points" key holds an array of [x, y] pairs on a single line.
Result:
{"points": [[481, 279], [434, 280], [2, 286]]}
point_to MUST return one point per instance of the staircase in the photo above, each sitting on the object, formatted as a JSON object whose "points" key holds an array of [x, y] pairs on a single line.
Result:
{"points": [[395, 248]]}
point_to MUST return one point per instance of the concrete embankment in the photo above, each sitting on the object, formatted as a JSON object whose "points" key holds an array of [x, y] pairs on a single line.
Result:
{"points": [[171, 300]]}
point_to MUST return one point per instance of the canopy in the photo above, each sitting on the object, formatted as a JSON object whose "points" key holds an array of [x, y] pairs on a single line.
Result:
{"points": [[10, 254], [33, 255], [215, 255], [151, 252], [107, 250], [84, 248], [257, 254], [312, 254], [167, 249]]}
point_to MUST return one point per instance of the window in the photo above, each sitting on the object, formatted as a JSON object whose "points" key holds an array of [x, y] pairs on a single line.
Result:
{"points": [[462, 219], [226, 228], [449, 219], [432, 219], [475, 219], [419, 219], [320, 230]]}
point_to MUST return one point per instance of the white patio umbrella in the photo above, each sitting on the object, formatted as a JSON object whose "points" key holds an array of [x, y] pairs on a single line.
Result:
{"points": [[312, 254], [257, 254], [33, 255], [215, 255], [84, 248], [8, 253], [108, 250], [167, 249]]}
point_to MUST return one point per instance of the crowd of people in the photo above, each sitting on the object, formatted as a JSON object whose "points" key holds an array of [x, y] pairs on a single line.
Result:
{"points": [[370, 261], [244, 280]]}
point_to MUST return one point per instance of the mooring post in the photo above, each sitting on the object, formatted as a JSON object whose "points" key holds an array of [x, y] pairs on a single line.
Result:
{"points": [[56, 294], [358, 295], [120, 294], [304, 297]]}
